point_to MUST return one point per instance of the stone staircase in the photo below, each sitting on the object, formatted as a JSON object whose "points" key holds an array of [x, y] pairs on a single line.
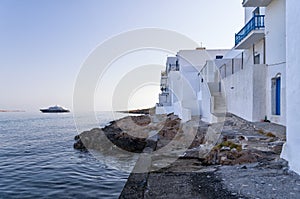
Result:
{"points": [[218, 107]]}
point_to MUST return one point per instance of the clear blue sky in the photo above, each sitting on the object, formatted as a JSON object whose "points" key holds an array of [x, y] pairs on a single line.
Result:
{"points": [[44, 42]]}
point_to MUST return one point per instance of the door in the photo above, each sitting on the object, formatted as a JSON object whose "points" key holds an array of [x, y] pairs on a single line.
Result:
{"points": [[278, 100]]}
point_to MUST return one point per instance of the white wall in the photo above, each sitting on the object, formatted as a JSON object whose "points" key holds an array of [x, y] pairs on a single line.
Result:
{"points": [[275, 22], [249, 56], [192, 60], [164, 110], [191, 87], [249, 14], [239, 96], [175, 86], [165, 99], [245, 90], [292, 148], [205, 102], [259, 92], [272, 72], [259, 49], [213, 53]]}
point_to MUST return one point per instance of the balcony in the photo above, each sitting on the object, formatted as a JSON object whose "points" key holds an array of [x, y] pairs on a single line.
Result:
{"points": [[256, 3], [251, 33]]}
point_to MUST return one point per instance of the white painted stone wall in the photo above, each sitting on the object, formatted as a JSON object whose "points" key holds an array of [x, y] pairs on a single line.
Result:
{"points": [[292, 147], [192, 60], [258, 49], [245, 92], [272, 72], [205, 102], [175, 86], [250, 52], [164, 110], [249, 12], [165, 99], [191, 83], [259, 92], [275, 22]]}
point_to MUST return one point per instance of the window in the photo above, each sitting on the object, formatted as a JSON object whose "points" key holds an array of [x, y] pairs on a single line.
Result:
{"points": [[242, 65], [177, 65], [257, 59], [232, 67]]}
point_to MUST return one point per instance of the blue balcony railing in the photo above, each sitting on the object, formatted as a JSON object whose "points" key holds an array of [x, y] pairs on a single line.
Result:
{"points": [[257, 22]]}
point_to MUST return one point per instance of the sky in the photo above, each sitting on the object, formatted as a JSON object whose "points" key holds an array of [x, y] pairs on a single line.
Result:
{"points": [[43, 44]]}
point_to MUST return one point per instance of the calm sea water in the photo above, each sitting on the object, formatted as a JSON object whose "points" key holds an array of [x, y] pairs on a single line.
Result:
{"points": [[37, 159]]}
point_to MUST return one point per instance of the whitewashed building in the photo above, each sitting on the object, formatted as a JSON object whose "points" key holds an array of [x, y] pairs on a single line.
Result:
{"points": [[258, 79], [180, 82], [281, 39], [292, 146], [255, 79], [215, 101], [166, 97], [248, 80]]}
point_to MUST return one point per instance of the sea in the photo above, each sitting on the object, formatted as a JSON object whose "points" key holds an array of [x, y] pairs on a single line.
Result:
{"points": [[37, 158]]}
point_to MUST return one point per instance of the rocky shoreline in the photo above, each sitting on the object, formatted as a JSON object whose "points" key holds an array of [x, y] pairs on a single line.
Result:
{"points": [[244, 161]]}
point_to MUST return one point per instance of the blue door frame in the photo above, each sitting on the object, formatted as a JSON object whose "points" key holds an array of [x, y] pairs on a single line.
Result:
{"points": [[278, 89]]}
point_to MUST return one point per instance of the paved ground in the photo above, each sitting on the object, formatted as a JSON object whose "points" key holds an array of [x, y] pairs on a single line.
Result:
{"points": [[266, 176], [269, 180], [181, 180], [188, 179]]}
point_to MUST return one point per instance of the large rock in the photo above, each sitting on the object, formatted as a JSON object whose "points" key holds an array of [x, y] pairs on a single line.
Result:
{"points": [[95, 138]]}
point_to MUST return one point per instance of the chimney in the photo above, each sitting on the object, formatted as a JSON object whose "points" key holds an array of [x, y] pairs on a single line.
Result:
{"points": [[200, 48]]}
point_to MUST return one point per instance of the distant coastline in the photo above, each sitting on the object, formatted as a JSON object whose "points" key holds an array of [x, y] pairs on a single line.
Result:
{"points": [[10, 111], [139, 111]]}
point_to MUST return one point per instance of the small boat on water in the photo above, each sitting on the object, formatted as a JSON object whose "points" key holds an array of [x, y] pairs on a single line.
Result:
{"points": [[55, 109]]}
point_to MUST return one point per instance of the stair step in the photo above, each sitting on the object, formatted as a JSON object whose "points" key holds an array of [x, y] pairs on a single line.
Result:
{"points": [[218, 117], [217, 94], [219, 111], [220, 107]]}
